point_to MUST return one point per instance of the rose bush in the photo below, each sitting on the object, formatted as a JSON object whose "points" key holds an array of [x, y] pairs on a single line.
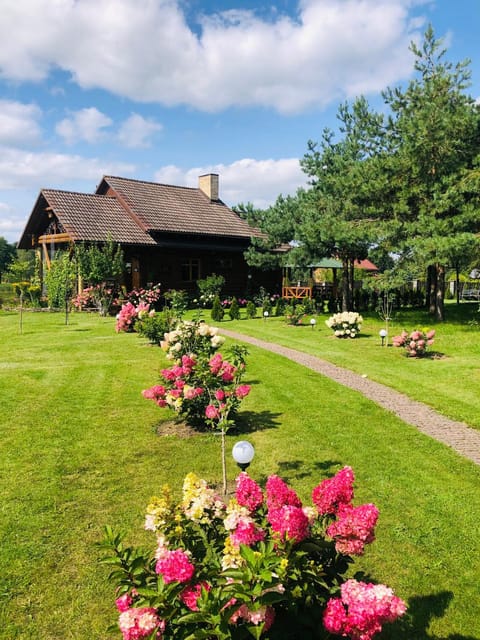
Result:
{"points": [[346, 324], [261, 564]]}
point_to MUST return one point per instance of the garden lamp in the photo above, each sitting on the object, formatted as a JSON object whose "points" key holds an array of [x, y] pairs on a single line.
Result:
{"points": [[383, 334], [243, 453], [265, 315], [313, 322]]}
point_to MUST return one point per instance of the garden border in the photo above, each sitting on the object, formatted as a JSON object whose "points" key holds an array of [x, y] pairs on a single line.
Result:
{"points": [[459, 436]]}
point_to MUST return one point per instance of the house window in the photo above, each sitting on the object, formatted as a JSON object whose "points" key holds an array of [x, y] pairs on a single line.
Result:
{"points": [[190, 270]]}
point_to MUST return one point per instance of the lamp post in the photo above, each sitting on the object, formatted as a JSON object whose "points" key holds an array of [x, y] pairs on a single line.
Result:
{"points": [[383, 334], [265, 316], [313, 322], [242, 453]]}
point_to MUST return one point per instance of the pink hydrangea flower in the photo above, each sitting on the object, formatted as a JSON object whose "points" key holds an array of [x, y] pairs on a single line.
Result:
{"points": [[242, 391], [248, 493], [333, 492], [362, 610], [246, 533], [215, 363], [279, 494], [354, 528], [124, 602], [155, 392], [228, 371], [175, 566], [212, 413], [140, 622], [289, 523], [191, 594], [188, 362], [220, 394]]}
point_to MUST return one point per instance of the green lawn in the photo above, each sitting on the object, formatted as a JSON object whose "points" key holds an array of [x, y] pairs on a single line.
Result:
{"points": [[79, 449], [449, 382]]}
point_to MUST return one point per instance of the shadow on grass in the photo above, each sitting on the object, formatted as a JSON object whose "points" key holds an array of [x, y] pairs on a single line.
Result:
{"points": [[420, 613], [291, 470], [251, 421]]}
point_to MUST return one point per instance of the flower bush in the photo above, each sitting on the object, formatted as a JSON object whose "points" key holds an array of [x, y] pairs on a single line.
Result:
{"points": [[346, 324], [150, 295], [415, 343], [129, 314], [260, 565], [203, 387]]}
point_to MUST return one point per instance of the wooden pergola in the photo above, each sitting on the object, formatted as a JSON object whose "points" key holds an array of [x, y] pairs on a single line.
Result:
{"points": [[302, 290]]}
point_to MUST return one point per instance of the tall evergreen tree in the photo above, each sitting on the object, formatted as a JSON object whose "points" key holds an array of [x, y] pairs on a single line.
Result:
{"points": [[433, 170]]}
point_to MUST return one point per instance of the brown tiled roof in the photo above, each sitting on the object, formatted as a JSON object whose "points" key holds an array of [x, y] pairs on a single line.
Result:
{"points": [[172, 209], [88, 217]]}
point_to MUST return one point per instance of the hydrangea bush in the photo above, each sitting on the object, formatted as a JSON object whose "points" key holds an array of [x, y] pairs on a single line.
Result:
{"points": [[415, 343], [346, 324], [129, 314], [202, 386], [260, 565]]}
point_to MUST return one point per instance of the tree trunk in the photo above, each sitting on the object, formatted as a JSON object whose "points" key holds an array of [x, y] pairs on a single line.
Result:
{"points": [[345, 286], [352, 286], [457, 283], [440, 293], [432, 289]]}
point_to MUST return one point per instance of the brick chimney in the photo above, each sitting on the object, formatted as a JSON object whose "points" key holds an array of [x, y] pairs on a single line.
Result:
{"points": [[209, 185]]}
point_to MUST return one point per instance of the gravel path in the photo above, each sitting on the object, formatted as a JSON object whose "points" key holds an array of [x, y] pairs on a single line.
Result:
{"points": [[457, 435]]}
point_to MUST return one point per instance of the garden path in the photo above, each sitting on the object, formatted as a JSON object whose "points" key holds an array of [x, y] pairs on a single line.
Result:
{"points": [[457, 435]]}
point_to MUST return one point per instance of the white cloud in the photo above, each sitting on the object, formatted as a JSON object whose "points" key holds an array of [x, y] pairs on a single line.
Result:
{"points": [[246, 180], [145, 50], [19, 123], [137, 132], [25, 169], [86, 124]]}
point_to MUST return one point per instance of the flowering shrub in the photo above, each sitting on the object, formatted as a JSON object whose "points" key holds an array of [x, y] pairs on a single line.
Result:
{"points": [[203, 387], [416, 343], [150, 296], [129, 314], [260, 565], [99, 296], [346, 324]]}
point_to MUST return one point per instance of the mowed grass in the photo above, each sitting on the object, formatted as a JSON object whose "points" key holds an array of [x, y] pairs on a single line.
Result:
{"points": [[449, 381], [79, 449]]}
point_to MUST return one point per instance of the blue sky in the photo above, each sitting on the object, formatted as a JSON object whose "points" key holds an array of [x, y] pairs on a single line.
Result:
{"points": [[166, 90]]}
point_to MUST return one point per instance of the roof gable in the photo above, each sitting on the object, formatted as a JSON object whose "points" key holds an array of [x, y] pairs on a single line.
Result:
{"points": [[171, 209], [84, 217]]}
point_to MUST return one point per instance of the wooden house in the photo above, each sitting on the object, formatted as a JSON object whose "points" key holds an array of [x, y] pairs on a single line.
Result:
{"points": [[169, 234]]}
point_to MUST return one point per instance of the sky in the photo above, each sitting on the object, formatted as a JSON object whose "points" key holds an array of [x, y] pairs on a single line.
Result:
{"points": [[167, 90]]}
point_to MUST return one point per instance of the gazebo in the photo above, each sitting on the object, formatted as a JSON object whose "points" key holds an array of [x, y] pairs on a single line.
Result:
{"points": [[299, 290]]}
